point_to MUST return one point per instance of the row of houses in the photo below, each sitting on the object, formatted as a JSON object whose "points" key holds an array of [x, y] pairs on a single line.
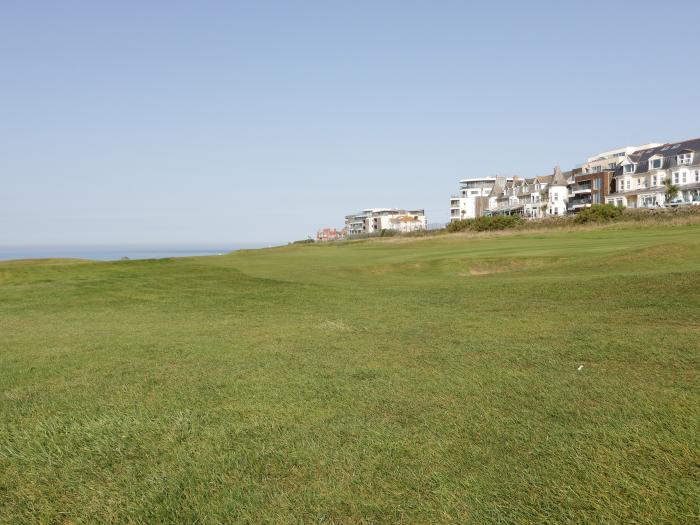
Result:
{"points": [[632, 176]]}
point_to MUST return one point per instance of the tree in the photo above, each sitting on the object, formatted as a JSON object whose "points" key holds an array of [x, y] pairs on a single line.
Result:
{"points": [[671, 189]]}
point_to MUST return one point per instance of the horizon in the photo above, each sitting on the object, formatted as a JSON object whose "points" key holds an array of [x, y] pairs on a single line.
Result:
{"points": [[157, 124]]}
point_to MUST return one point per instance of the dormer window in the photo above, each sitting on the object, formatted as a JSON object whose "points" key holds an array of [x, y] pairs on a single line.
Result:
{"points": [[684, 158], [629, 168], [654, 164]]}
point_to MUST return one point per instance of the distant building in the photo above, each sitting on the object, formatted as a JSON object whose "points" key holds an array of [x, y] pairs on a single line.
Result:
{"points": [[372, 220], [330, 234]]}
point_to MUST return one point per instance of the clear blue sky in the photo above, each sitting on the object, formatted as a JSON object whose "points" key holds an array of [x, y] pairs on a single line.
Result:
{"points": [[223, 122]]}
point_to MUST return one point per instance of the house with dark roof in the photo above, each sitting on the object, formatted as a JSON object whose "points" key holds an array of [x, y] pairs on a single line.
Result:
{"points": [[639, 180]]}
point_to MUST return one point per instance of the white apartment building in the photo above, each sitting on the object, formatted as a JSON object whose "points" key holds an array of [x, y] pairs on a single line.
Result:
{"points": [[373, 220], [639, 180], [472, 200]]}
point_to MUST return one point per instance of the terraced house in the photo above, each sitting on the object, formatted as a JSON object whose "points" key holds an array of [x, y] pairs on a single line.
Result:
{"points": [[519, 196], [639, 180]]}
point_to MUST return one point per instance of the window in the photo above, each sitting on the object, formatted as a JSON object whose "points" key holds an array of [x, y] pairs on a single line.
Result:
{"points": [[653, 180], [596, 183], [596, 198], [683, 178], [620, 185], [629, 184], [675, 178], [639, 183], [655, 164], [697, 176], [684, 158], [629, 168], [611, 166]]}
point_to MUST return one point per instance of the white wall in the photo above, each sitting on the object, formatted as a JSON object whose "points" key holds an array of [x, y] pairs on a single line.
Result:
{"points": [[558, 199]]}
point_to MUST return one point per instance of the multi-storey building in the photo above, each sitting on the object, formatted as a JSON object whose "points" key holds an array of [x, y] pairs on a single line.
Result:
{"points": [[589, 188], [639, 179], [472, 200], [373, 220]]}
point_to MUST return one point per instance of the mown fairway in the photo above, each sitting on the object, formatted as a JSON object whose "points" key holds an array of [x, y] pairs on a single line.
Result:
{"points": [[418, 381]]}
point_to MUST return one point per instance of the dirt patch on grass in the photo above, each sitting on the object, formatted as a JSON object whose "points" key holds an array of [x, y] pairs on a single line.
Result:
{"points": [[493, 266]]}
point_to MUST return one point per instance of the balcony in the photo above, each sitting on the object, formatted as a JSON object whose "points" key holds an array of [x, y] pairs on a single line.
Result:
{"points": [[579, 203]]}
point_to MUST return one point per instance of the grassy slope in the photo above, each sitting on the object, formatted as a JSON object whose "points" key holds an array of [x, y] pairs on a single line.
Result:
{"points": [[429, 380]]}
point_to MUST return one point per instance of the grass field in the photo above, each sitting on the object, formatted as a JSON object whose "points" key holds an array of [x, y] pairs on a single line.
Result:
{"points": [[417, 381]]}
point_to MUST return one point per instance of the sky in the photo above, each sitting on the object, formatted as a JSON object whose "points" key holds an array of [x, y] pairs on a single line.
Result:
{"points": [[234, 122]]}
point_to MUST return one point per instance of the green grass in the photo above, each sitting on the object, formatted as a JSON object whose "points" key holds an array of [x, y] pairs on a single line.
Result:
{"points": [[417, 381]]}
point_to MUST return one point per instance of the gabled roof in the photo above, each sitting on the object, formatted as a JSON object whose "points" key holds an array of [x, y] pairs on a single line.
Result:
{"points": [[558, 179], [497, 187]]}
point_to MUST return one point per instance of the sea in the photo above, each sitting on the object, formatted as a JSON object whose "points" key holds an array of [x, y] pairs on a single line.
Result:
{"points": [[117, 252]]}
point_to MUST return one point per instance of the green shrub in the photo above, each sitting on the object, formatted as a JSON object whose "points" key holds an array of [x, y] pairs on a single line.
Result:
{"points": [[458, 226], [481, 224], [599, 213], [498, 222]]}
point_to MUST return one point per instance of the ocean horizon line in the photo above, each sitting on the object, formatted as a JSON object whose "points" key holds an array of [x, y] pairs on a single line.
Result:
{"points": [[118, 251]]}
